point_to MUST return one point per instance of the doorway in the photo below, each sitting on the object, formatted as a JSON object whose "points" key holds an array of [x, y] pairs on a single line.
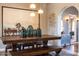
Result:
{"points": [[69, 22]]}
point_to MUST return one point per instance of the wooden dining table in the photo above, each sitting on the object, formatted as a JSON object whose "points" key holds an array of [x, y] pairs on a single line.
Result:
{"points": [[17, 39]]}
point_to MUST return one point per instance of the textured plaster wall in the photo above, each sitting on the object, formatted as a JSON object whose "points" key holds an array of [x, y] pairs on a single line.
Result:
{"points": [[55, 9]]}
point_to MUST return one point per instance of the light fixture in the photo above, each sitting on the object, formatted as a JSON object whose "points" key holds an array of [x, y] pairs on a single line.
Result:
{"points": [[40, 11], [72, 17], [66, 17], [77, 18], [32, 6], [32, 14]]}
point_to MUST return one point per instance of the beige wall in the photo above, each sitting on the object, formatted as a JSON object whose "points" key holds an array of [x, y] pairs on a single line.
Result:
{"points": [[43, 21], [57, 9], [13, 16], [54, 25]]}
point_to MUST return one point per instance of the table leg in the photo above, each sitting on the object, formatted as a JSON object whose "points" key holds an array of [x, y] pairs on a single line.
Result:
{"points": [[14, 47], [45, 43], [57, 52]]}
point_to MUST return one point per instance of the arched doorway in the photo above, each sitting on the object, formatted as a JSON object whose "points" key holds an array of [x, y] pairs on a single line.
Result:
{"points": [[68, 21]]}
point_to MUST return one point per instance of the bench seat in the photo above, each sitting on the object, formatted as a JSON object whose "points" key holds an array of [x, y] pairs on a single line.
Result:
{"points": [[36, 51]]}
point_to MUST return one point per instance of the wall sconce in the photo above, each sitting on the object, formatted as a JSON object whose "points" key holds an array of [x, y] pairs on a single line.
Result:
{"points": [[66, 18], [77, 18]]}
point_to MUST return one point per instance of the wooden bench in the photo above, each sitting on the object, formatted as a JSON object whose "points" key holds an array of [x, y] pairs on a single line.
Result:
{"points": [[36, 51]]}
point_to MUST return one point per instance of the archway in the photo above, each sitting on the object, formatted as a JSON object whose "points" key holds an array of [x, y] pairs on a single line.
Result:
{"points": [[64, 21], [67, 21]]}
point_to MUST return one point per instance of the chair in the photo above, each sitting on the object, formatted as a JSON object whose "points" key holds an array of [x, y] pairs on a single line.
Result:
{"points": [[28, 33], [34, 32], [38, 34], [65, 39], [23, 32], [10, 32]]}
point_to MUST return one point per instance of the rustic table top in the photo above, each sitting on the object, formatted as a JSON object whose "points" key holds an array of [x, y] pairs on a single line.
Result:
{"points": [[18, 39]]}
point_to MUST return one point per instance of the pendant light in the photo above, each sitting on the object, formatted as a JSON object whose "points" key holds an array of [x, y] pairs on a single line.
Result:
{"points": [[40, 11], [32, 6]]}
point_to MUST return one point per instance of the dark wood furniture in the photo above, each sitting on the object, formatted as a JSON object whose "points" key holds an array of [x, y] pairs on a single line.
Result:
{"points": [[34, 51], [7, 33], [31, 32]]}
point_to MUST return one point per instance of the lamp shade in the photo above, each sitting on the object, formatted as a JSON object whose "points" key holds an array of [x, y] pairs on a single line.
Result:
{"points": [[77, 18], [32, 6], [40, 11]]}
